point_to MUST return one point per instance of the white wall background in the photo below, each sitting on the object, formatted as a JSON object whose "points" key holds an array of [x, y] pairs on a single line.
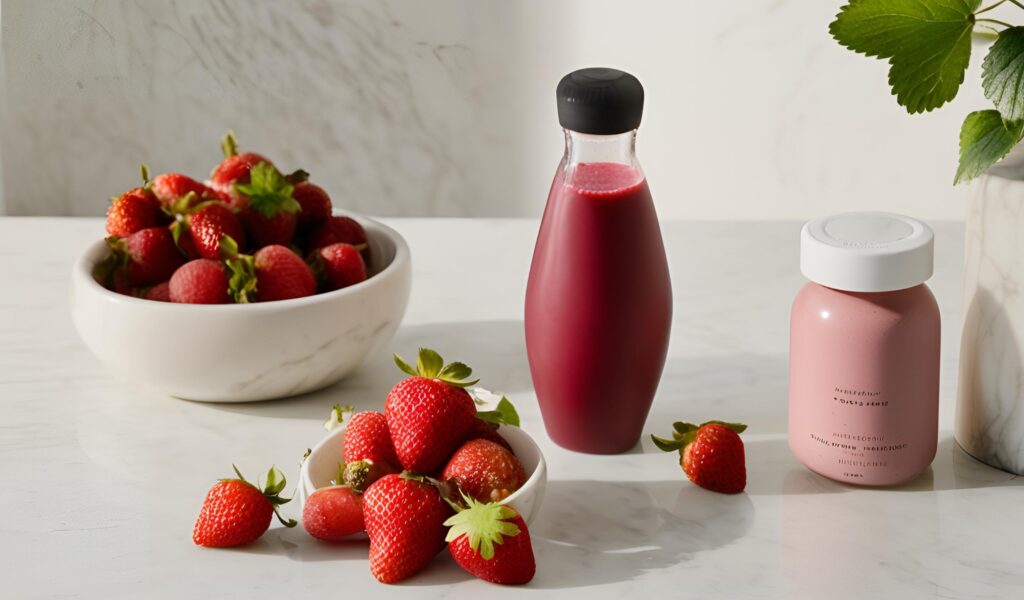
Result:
{"points": [[409, 107]]}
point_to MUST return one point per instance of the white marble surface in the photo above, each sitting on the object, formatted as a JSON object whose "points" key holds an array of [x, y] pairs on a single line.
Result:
{"points": [[102, 479], [458, 96]]}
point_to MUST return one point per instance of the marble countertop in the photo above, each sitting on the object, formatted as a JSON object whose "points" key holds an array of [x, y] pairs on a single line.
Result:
{"points": [[102, 479]]}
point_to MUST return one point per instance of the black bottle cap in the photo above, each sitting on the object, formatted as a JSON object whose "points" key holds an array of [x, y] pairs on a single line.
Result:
{"points": [[600, 101]]}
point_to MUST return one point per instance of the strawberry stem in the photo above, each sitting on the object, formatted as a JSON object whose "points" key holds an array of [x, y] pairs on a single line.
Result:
{"points": [[229, 145]]}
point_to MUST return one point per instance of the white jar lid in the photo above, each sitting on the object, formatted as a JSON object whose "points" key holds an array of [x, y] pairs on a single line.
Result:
{"points": [[867, 252]]}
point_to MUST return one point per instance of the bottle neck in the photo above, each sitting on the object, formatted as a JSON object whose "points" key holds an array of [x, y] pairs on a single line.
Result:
{"points": [[588, 148], [600, 163]]}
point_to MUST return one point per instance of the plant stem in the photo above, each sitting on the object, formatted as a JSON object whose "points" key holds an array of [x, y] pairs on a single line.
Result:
{"points": [[996, 21], [988, 33], [1019, 5], [990, 7]]}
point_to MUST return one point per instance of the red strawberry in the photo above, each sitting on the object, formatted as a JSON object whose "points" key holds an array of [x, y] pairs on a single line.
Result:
{"points": [[214, 231], [367, 437], [184, 240], [485, 471], [201, 281], [338, 265], [404, 520], [491, 541], [271, 212], [710, 454], [146, 257], [369, 453], [333, 513], [429, 413], [315, 203], [133, 211], [160, 292], [235, 167], [237, 512], [273, 273], [339, 230], [117, 282], [171, 188]]}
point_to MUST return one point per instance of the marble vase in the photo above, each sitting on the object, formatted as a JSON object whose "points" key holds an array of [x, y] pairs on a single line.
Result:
{"points": [[990, 403]]}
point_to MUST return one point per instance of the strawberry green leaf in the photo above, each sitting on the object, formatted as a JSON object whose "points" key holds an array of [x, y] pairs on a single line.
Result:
{"points": [[177, 228], [429, 363], [985, 138], [927, 43], [297, 176], [269, 192], [228, 247], [242, 283], [455, 371], [667, 445], [144, 171], [682, 427], [275, 482], [503, 414], [404, 366], [1002, 74], [737, 427], [484, 524], [229, 145], [337, 416]]}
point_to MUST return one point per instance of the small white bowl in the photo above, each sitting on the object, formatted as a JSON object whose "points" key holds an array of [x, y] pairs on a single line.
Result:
{"points": [[241, 353], [321, 466]]}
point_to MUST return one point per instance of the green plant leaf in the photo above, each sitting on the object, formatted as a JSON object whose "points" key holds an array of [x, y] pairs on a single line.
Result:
{"points": [[1002, 74], [503, 414], [229, 145], [269, 192], [297, 176], [985, 138], [337, 416], [455, 371], [927, 43], [429, 363], [228, 247], [683, 428], [485, 525], [242, 283], [404, 366], [667, 445], [737, 427]]}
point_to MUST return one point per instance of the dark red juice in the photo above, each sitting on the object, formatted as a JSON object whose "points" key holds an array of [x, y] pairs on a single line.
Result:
{"points": [[598, 307]]}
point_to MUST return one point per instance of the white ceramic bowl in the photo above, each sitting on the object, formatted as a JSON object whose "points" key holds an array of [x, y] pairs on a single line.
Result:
{"points": [[321, 467], [240, 353]]}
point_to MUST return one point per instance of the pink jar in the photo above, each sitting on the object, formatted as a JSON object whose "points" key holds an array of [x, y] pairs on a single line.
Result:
{"points": [[864, 350]]}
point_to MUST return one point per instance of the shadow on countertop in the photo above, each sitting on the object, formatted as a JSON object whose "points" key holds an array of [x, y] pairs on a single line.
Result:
{"points": [[617, 531], [773, 471]]}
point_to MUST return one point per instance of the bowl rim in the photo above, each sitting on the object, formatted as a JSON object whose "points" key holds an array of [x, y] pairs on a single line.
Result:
{"points": [[84, 266], [306, 485]]}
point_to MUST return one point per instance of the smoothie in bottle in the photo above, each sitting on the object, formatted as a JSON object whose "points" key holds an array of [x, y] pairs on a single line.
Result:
{"points": [[599, 298]]}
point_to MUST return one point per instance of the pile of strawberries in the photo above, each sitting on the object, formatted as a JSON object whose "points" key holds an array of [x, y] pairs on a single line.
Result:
{"points": [[429, 472], [248, 234]]}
